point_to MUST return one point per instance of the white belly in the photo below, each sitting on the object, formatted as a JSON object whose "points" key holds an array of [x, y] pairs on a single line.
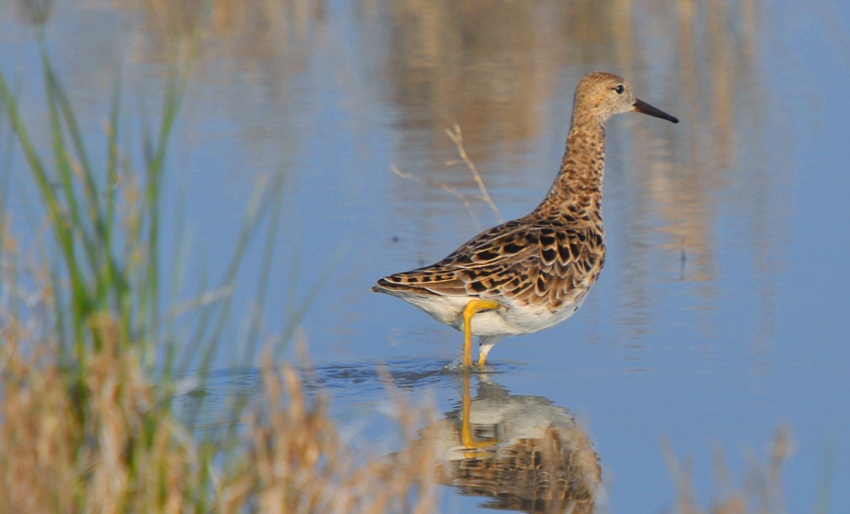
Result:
{"points": [[510, 319], [513, 320]]}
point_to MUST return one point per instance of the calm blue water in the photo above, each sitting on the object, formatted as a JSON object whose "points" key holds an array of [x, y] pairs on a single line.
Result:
{"points": [[720, 315]]}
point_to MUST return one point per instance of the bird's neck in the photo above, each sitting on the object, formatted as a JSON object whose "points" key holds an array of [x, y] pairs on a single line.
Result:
{"points": [[578, 188]]}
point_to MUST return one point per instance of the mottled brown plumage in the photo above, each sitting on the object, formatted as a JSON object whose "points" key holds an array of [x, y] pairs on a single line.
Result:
{"points": [[533, 272]]}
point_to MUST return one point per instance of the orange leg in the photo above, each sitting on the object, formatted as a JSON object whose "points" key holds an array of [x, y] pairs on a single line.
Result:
{"points": [[469, 311]]}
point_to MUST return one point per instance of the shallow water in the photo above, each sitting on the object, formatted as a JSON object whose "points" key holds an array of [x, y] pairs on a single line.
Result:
{"points": [[720, 314]]}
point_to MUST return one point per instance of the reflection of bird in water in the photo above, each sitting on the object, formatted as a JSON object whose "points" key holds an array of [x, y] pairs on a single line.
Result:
{"points": [[522, 452], [533, 272]]}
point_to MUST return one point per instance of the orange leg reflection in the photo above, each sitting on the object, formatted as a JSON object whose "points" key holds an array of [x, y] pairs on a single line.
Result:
{"points": [[466, 437]]}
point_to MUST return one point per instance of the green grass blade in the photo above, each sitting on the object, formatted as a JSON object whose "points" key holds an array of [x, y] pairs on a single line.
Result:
{"points": [[58, 217], [252, 339]]}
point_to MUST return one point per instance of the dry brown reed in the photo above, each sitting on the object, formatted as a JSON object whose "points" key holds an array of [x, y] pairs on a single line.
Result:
{"points": [[126, 452], [303, 465], [121, 453], [456, 136]]}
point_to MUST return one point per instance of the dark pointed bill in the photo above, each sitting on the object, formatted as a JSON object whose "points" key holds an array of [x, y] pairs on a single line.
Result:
{"points": [[641, 106]]}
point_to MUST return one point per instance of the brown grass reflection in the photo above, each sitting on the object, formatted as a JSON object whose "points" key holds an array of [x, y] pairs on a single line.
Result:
{"points": [[258, 28], [518, 452], [479, 64], [34, 12]]}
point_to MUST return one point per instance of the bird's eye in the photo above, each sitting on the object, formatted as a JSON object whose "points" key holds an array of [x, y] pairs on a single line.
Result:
{"points": [[618, 89]]}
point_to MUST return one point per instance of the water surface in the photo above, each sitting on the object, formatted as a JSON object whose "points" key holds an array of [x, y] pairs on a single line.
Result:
{"points": [[721, 312]]}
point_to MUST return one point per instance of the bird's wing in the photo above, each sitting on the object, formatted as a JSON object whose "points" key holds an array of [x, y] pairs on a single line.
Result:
{"points": [[516, 260]]}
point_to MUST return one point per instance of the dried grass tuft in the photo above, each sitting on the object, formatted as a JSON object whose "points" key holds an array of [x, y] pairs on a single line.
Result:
{"points": [[124, 452], [102, 437]]}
